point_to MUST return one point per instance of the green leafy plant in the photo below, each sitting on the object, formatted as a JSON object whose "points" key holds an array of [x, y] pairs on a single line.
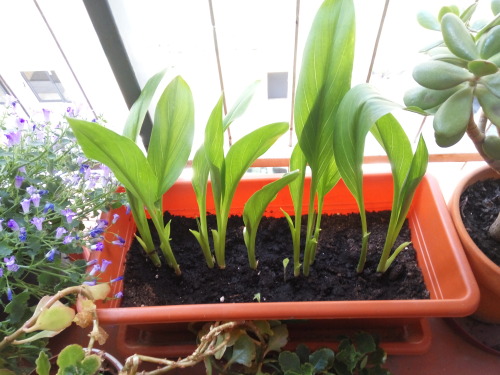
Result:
{"points": [[50, 198], [147, 177], [324, 79], [226, 171], [71, 360], [363, 110], [359, 355], [463, 71]]}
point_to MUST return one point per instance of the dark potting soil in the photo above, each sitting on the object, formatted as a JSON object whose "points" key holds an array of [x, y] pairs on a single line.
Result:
{"points": [[480, 206], [333, 275]]}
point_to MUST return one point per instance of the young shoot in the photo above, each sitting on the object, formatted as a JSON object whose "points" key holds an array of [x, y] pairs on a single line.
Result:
{"points": [[285, 265], [226, 171], [363, 110], [324, 78], [201, 171], [147, 177], [254, 209]]}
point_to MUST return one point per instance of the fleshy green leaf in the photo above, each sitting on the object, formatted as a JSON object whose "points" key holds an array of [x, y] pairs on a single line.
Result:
{"points": [[428, 21], [70, 356], [172, 134], [138, 111], [289, 362], [243, 351], [42, 364], [121, 155]]}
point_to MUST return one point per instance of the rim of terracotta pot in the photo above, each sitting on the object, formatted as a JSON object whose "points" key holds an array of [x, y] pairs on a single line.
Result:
{"points": [[482, 173]]}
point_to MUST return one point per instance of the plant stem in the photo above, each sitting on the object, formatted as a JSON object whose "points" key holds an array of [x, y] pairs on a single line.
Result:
{"points": [[311, 217], [477, 137]]}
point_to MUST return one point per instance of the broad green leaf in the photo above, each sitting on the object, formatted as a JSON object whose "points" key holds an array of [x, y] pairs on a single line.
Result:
{"points": [[172, 134], [138, 111], [214, 149], [91, 364], [279, 339], [361, 108], [55, 318], [365, 343], [121, 155], [254, 209], [42, 364], [69, 356], [201, 169], [241, 104], [245, 151], [324, 79], [322, 359], [243, 351], [289, 361], [297, 161], [329, 179]]}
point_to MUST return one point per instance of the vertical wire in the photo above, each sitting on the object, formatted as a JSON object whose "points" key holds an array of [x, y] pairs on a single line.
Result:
{"points": [[65, 57], [219, 67], [294, 69], [375, 47]]}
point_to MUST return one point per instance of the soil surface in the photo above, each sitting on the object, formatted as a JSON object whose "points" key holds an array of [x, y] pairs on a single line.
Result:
{"points": [[333, 275], [479, 206]]}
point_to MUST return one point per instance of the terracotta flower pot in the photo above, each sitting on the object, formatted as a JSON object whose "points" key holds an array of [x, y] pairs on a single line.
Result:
{"points": [[486, 272], [448, 277]]}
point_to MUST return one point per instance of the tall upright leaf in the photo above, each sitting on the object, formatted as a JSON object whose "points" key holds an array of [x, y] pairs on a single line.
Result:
{"points": [[172, 134]]}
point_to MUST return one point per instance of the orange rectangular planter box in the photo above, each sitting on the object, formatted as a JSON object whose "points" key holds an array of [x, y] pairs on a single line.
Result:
{"points": [[453, 290]]}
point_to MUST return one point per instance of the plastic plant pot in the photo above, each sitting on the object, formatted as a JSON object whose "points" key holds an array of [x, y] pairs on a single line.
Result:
{"points": [[446, 272]]}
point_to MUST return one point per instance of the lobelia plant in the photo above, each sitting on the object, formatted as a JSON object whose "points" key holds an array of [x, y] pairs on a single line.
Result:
{"points": [[147, 177], [226, 171], [50, 195]]}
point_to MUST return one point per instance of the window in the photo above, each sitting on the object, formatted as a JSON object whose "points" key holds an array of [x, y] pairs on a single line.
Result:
{"points": [[277, 85], [45, 85]]}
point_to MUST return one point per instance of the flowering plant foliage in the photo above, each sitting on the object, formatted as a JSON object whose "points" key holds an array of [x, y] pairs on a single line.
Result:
{"points": [[49, 193]]}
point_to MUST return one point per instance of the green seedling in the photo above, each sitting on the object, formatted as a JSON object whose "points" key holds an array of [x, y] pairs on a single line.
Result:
{"points": [[201, 171], [254, 209], [285, 265], [226, 171], [363, 110], [324, 79], [147, 177]]}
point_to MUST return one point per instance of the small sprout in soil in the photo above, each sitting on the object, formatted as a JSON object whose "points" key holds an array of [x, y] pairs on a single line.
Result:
{"points": [[285, 264], [256, 297]]}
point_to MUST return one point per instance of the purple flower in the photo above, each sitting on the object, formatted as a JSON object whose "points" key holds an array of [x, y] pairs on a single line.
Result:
{"points": [[115, 218], [1, 272], [98, 246], [31, 190], [1, 226], [50, 255], [119, 295], [92, 262], [46, 114], [105, 263], [102, 223], [43, 192], [68, 214], [119, 241], [20, 123], [22, 170], [18, 181], [37, 222], [119, 278], [90, 283], [48, 207], [13, 225], [94, 269], [9, 294], [127, 211], [22, 234], [35, 198], [13, 138], [60, 231], [10, 263], [68, 239], [25, 204], [96, 232]]}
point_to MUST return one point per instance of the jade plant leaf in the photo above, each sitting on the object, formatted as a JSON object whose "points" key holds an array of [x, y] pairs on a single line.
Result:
{"points": [[42, 364]]}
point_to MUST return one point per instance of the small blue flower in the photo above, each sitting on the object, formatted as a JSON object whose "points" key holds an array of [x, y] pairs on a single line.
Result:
{"points": [[90, 283], [22, 234], [35, 199], [31, 190], [13, 225], [119, 278], [50, 255], [115, 218], [94, 269], [13, 138], [68, 239], [119, 241], [98, 246], [9, 294], [10, 263], [25, 205], [60, 231], [91, 262], [104, 264], [68, 214], [127, 211], [48, 207], [37, 222], [119, 295], [1, 272], [43, 192], [18, 181]]}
